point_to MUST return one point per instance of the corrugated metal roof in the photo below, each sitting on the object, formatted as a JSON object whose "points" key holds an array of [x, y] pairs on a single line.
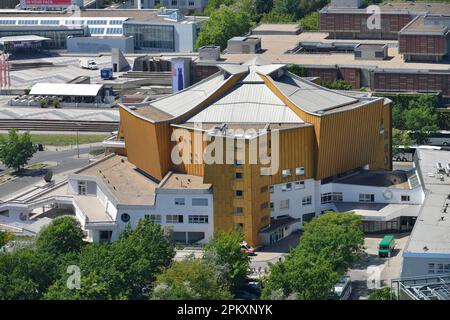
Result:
{"points": [[311, 97], [65, 89], [248, 103], [183, 101]]}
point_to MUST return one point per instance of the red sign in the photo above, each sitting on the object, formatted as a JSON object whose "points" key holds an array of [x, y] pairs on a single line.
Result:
{"points": [[48, 2]]}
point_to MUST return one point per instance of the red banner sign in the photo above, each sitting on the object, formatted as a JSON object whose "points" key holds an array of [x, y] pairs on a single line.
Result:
{"points": [[48, 2]]}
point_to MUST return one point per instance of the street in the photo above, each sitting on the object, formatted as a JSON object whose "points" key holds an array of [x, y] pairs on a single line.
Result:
{"points": [[60, 161]]}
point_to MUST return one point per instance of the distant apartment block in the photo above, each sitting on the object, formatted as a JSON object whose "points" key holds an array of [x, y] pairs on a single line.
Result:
{"points": [[185, 5]]}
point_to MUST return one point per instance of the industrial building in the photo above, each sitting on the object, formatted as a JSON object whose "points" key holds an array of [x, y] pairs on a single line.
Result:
{"points": [[349, 18], [183, 5], [160, 30]]}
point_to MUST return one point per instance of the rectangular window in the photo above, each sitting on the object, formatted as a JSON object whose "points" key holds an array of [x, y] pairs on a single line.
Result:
{"points": [[264, 189], [199, 202], [366, 197], [405, 198], [179, 201], [284, 204], [431, 268], [306, 201], [299, 171], [238, 210], [82, 188], [238, 176], [155, 218], [308, 216], [198, 219], [238, 193], [299, 185], [286, 173], [271, 206], [338, 197], [287, 187], [174, 218], [440, 268], [326, 198]]}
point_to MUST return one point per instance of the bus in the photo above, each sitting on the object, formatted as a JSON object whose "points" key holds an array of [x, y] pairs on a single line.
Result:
{"points": [[386, 246], [439, 138], [406, 153]]}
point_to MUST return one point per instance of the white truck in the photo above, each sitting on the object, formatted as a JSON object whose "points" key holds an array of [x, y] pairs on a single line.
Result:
{"points": [[88, 64]]}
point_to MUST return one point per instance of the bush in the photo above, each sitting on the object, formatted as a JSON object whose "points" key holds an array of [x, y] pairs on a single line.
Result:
{"points": [[42, 103], [56, 103]]}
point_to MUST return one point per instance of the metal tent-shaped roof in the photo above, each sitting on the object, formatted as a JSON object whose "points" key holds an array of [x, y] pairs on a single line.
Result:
{"points": [[65, 89]]}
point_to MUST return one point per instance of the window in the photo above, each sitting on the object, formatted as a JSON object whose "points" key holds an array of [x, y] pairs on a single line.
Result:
{"points": [[264, 189], [179, 201], [306, 201], [199, 202], [239, 226], [82, 189], [440, 268], [174, 218], [238, 210], [299, 185], [125, 217], [331, 197], [299, 171], [308, 217], [238, 175], [405, 198], [114, 31], [264, 205], [238, 163], [238, 193], [271, 189], [287, 187], [271, 206], [366, 197], [431, 268], [284, 204], [155, 218], [191, 3], [286, 173], [198, 219]]}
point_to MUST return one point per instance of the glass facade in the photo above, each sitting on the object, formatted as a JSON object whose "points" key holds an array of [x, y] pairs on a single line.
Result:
{"points": [[148, 37], [58, 36]]}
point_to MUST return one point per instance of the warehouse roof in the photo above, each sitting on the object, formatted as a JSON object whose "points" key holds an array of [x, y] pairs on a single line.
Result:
{"points": [[65, 89]]}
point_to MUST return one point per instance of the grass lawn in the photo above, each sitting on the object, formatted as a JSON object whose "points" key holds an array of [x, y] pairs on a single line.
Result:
{"points": [[60, 140]]}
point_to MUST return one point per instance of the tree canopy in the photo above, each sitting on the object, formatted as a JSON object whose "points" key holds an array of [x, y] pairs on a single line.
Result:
{"points": [[223, 24], [16, 150], [224, 253], [190, 279], [383, 294]]}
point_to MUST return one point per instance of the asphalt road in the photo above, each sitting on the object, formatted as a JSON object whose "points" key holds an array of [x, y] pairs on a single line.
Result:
{"points": [[65, 160]]}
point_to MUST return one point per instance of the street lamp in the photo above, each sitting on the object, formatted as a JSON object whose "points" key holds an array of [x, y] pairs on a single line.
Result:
{"points": [[78, 146]]}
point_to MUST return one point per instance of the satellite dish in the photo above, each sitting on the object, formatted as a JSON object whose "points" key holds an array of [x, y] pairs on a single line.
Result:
{"points": [[48, 176]]}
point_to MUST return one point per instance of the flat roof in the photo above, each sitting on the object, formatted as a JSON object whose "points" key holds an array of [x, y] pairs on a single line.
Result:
{"points": [[419, 26], [397, 8], [65, 89], [93, 209], [31, 38], [275, 49], [147, 15], [378, 211], [289, 27], [122, 179], [390, 179], [177, 181], [431, 233]]}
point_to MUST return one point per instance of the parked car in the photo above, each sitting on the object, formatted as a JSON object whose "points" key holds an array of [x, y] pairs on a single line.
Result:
{"points": [[39, 147], [245, 247]]}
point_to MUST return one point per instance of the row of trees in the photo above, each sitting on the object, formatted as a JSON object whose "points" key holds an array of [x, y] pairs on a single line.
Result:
{"points": [[329, 245], [139, 265]]}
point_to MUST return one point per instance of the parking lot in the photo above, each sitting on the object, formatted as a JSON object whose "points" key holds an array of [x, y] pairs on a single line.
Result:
{"points": [[375, 272]]}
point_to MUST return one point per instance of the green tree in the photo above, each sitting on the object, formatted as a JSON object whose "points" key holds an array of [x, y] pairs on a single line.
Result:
{"points": [[399, 138], [16, 150], [63, 235], [337, 85], [383, 294], [191, 279], [297, 70], [337, 236], [422, 120], [300, 276], [263, 6], [224, 253], [25, 274], [223, 24], [5, 237], [297, 8], [274, 17], [310, 22]]}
